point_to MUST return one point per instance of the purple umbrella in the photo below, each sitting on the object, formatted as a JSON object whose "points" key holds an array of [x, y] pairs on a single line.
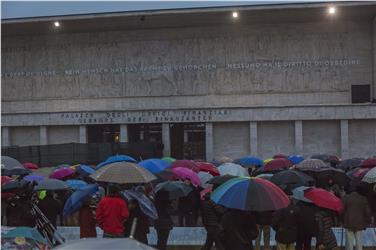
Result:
{"points": [[61, 173], [34, 177], [185, 173]]}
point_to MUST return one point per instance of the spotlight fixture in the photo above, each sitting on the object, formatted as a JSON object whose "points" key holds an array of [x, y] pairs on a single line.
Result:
{"points": [[235, 14], [56, 24], [332, 10]]}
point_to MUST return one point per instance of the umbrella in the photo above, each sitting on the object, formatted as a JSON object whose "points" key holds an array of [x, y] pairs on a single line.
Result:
{"points": [[205, 191], [15, 184], [370, 177], [290, 179], [61, 173], [322, 198], [116, 158], [166, 175], [51, 184], [76, 184], [265, 176], [123, 173], [76, 200], [337, 175], [154, 165], [276, 164], [219, 180], [64, 165], [350, 163], [146, 205], [249, 161], [175, 189], [323, 157], [186, 164], [368, 163], [44, 171], [232, 169], [5, 179], [223, 159], [34, 177], [25, 232], [169, 159], [207, 167], [311, 165], [30, 165], [298, 194], [267, 160], [250, 194], [280, 156], [187, 174], [10, 166], [84, 170], [295, 159], [105, 243], [204, 178]]}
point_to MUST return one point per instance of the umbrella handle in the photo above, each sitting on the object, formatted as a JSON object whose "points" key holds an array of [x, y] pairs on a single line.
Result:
{"points": [[133, 228]]}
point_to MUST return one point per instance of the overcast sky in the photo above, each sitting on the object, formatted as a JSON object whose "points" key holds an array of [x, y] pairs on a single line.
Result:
{"points": [[22, 9]]}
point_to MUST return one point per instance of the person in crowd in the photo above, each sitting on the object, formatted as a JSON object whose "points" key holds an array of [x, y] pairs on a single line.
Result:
{"points": [[285, 223], [142, 222], [50, 207], [264, 220], [163, 224], [87, 220], [188, 207], [211, 219], [371, 197], [334, 188], [325, 239], [356, 216], [239, 229], [307, 227], [111, 213]]}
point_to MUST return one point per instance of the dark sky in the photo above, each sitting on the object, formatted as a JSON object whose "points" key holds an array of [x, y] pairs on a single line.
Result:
{"points": [[21, 9]]}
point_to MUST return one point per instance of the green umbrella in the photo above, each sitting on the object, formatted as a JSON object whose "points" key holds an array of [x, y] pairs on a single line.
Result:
{"points": [[168, 159]]}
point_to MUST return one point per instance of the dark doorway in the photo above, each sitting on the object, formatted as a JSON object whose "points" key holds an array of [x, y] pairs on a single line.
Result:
{"points": [[188, 140], [103, 133], [145, 132]]}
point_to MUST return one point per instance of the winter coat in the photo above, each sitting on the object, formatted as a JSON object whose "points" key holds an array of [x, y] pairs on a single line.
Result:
{"points": [[356, 213], [285, 223], [307, 225], [264, 218], [211, 213], [51, 208], [190, 203], [142, 225], [164, 210], [87, 222], [325, 234]]}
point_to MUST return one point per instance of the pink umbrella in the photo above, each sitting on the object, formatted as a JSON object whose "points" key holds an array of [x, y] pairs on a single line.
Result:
{"points": [[185, 173], [61, 173], [186, 164], [30, 165]]}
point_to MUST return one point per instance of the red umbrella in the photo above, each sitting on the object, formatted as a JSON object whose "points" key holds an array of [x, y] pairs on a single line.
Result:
{"points": [[186, 164], [30, 165], [187, 174], [5, 179], [368, 163], [279, 163], [279, 156], [208, 167], [325, 199]]}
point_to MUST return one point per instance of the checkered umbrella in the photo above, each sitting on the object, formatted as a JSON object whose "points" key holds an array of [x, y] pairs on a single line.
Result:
{"points": [[370, 177], [311, 164], [123, 173]]}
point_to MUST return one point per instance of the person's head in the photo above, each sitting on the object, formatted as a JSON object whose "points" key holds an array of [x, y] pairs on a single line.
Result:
{"points": [[113, 190], [330, 181], [187, 181]]}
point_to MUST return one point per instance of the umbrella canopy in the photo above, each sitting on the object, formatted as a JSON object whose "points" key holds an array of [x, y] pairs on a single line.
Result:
{"points": [[5, 179], [61, 173], [204, 178], [34, 177], [279, 156], [368, 163], [14, 185], [223, 159], [166, 175], [76, 200], [290, 179], [337, 175], [105, 243], [30, 165], [276, 164], [296, 159], [146, 205], [232, 169], [298, 194], [325, 199], [186, 164], [25, 232], [154, 165], [10, 166], [169, 159], [370, 177], [44, 171], [207, 167], [76, 184], [51, 184], [323, 157], [64, 165], [250, 161], [311, 165], [265, 176], [123, 173], [187, 174], [84, 170], [219, 180], [116, 158], [250, 194], [175, 189], [349, 164]]}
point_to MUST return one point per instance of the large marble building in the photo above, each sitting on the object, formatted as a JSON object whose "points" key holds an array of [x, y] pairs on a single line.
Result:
{"points": [[290, 79]]}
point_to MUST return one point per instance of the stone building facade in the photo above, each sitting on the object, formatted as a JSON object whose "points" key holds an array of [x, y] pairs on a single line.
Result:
{"points": [[279, 79]]}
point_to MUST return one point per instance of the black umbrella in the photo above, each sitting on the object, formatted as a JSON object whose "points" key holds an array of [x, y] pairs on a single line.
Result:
{"points": [[175, 189], [337, 175], [10, 166], [290, 179], [13, 185], [349, 164], [219, 180]]}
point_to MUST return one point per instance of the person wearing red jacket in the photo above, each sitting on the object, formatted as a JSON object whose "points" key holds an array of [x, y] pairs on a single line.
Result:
{"points": [[112, 211]]}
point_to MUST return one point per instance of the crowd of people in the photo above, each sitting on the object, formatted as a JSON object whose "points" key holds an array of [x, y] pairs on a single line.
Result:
{"points": [[227, 228]]}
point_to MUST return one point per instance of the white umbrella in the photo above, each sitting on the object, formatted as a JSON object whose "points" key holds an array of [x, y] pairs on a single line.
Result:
{"points": [[370, 177], [204, 177], [232, 169]]}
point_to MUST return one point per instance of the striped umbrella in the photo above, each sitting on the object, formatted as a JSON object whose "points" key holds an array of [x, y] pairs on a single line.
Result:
{"points": [[250, 194], [370, 177]]}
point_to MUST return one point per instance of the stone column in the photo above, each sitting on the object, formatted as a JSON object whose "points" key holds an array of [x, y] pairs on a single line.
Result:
{"points": [[43, 139], [166, 139], [298, 137], [253, 144], [124, 133], [5, 136], [209, 141], [344, 139], [83, 134]]}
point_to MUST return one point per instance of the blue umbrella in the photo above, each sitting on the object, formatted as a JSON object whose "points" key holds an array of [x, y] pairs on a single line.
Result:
{"points": [[26, 232], [34, 177], [298, 194], [250, 161], [154, 165], [76, 184], [76, 200], [115, 158], [84, 170], [146, 205], [295, 159]]}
